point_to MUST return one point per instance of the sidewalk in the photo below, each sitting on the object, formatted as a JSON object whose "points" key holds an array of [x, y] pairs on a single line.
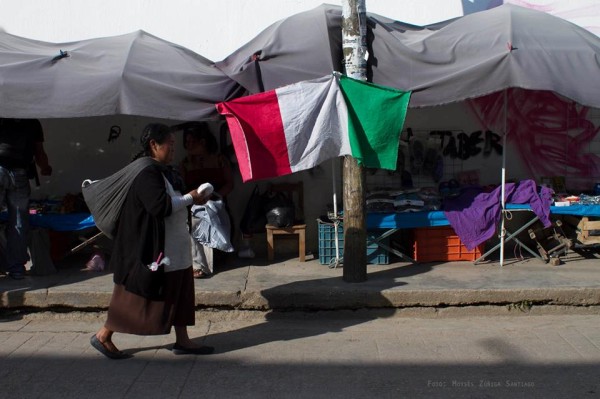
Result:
{"points": [[292, 285]]}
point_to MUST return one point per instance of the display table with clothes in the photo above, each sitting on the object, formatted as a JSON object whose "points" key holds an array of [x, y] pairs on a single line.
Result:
{"points": [[475, 215], [47, 230], [393, 222]]}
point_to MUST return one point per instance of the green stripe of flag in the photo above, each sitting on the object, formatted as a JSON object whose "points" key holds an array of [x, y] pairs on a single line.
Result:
{"points": [[376, 117]]}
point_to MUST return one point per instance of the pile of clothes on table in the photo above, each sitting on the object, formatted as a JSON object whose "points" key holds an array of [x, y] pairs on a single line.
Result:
{"points": [[408, 200]]}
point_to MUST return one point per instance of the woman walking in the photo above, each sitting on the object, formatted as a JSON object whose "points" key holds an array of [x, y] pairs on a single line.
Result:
{"points": [[152, 227]]}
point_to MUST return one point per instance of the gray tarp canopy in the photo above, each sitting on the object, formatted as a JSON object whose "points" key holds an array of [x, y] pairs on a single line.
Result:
{"points": [[303, 46], [131, 74], [471, 56]]}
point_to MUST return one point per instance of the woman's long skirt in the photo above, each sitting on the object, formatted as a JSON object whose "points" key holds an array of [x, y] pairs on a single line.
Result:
{"points": [[132, 314]]}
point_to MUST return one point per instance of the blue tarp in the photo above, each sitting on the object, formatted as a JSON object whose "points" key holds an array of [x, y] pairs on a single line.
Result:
{"points": [[58, 221]]}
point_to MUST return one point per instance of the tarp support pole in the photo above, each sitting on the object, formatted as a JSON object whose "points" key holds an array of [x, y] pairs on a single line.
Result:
{"points": [[503, 178], [335, 216]]}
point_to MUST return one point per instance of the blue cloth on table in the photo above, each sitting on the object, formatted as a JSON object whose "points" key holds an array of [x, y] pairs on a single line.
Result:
{"points": [[410, 220], [575, 209], [58, 221], [406, 220], [475, 215]]}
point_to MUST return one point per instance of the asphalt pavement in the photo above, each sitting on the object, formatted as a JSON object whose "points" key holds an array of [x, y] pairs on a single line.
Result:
{"points": [[374, 353]]}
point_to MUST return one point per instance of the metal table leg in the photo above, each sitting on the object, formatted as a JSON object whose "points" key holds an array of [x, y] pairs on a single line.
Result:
{"points": [[512, 236], [378, 241]]}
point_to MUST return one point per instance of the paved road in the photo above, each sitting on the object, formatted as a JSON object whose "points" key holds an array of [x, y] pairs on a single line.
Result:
{"points": [[340, 354]]}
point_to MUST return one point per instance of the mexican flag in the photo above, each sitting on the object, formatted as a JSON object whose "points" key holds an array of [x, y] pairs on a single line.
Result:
{"points": [[299, 126]]}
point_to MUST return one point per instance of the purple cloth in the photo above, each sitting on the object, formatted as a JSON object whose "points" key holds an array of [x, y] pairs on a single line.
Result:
{"points": [[474, 215]]}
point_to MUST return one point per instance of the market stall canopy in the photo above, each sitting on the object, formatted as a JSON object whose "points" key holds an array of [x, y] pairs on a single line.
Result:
{"points": [[467, 57], [489, 51], [132, 74], [304, 46]]}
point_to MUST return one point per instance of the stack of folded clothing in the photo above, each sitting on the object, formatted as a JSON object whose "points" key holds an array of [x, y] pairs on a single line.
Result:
{"points": [[409, 201], [380, 201], [406, 200]]}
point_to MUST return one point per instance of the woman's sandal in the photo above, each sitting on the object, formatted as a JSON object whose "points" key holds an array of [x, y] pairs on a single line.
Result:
{"points": [[100, 347]]}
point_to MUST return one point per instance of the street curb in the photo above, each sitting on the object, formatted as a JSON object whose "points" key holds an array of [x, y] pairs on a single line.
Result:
{"points": [[323, 298]]}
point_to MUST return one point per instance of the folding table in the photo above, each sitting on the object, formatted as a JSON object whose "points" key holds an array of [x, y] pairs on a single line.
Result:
{"points": [[583, 210], [392, 222], [512, 236]]}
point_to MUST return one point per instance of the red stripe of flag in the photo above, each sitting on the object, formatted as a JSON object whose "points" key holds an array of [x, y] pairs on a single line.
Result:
{"points": [[259, 135]]}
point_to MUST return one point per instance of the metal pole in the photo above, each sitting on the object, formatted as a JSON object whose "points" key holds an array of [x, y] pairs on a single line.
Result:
{"points": [[335, 219], [502, 190]]}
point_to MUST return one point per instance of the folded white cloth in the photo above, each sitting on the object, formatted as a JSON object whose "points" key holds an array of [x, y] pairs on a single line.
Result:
{"points": [[205, 189]]}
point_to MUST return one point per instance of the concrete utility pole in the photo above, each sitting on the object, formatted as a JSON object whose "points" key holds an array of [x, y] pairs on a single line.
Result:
{"points": [[354, 42]]}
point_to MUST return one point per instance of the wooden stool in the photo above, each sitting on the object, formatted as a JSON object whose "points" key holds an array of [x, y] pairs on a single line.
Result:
{"points": [[298, 227]]}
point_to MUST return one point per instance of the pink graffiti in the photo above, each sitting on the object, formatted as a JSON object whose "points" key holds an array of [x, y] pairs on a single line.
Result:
{"points": [[550, 134]]}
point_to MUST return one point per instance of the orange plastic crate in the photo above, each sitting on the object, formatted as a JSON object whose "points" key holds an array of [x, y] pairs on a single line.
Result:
{"points": [[441, 244]]}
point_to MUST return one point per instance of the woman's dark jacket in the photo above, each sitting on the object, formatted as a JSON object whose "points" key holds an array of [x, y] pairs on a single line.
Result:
{"points": [[141, 227]]}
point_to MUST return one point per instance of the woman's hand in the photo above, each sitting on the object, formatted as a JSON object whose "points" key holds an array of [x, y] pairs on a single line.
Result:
{"points": [[199, 199]]}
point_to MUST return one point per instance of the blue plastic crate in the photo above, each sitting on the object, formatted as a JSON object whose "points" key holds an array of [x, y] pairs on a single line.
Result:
{"points": [[375, 254], [327, 242]]}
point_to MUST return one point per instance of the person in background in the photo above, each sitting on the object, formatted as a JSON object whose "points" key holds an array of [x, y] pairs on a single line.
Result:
{"points": [[204, 163], [152, 223], [21, 149]]}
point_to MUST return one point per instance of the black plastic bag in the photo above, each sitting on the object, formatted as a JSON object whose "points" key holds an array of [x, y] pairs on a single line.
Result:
{"points": [[280, 210], [254, 219], [105, 197]]}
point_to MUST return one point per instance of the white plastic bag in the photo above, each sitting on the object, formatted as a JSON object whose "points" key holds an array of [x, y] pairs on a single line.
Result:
{"points": [[214, 228]]}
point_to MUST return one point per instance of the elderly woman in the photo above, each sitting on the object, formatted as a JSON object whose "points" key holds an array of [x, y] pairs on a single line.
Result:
{"points": [[152, 225]]}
